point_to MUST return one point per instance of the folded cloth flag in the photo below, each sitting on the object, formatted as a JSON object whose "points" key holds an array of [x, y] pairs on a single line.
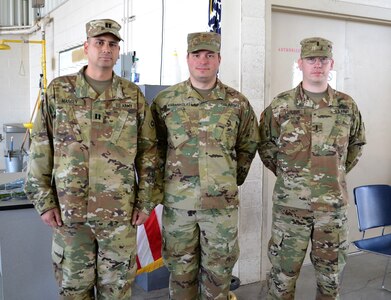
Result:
{"points": [[149, 242]]}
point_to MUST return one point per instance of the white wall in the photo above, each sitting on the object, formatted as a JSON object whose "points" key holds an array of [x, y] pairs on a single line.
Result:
{"points": [[242, 67], [143, 33], [14, 87], [146, 32]]}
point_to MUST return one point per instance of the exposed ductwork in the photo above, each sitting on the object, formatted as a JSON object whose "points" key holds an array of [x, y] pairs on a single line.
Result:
{"points": [[20, 30], [17, 13], [22, 14], [24, 17]]}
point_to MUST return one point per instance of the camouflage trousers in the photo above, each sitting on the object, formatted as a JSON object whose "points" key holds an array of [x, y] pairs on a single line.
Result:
{"points": [[292, 230], [95, 260], [200, 248]]}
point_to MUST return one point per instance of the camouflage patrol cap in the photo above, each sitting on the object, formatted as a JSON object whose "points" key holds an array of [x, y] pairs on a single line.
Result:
{"points": [[98, 27], [203, 41], [316, 46]]}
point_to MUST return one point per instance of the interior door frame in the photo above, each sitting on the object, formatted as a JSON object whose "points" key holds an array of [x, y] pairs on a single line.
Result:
{"points": [[322, 8]]}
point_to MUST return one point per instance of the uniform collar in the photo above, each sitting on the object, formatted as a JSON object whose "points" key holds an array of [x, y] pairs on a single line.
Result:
{"points": [[84, 90], [302, 100], [218, 93]]}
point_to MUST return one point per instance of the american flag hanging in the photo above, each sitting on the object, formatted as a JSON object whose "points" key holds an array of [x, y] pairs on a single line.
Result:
{"points": [[214, 23]]}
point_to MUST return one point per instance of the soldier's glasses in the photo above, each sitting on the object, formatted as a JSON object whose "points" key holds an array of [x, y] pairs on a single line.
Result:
{"points": [[324, 60]]}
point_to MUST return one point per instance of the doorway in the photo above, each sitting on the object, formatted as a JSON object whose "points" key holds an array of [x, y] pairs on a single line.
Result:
{"points": [[361, 70]]}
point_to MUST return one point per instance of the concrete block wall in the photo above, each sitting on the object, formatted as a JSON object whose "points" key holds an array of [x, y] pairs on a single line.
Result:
{"points": [[244, 52]]}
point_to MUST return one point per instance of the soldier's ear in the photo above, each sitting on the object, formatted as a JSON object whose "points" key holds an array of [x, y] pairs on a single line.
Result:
{"points": [[300, 63], [85, 47], [331, 64]]}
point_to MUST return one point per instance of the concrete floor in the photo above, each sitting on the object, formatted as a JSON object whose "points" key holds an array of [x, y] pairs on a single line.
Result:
{"points": [[361, 281]]}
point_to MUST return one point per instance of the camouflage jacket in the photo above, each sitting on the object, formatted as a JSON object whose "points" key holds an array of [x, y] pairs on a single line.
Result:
{"points": [[205, 146], [310, 147], [87, 149]]}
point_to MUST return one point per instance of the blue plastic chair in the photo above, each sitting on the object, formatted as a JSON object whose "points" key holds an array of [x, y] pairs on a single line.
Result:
{"points": [[373, 204]]}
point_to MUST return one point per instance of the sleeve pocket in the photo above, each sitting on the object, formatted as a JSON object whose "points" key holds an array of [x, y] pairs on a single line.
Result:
{"points": [[57, 253], [277, 236]]}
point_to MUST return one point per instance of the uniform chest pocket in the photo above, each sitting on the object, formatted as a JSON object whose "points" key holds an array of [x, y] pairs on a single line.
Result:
{"points": [[179, 127], [330, 131], [124, 130], [294, 134], [66, 128], [226, 129], [340, 129]]}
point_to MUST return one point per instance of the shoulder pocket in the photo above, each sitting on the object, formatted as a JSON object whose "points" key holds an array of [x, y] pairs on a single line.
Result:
{"points": [[294, 131]]}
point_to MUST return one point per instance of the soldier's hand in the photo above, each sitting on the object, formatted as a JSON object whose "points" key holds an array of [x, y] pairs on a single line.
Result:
{"points": [[52, 218], [139, 217]]}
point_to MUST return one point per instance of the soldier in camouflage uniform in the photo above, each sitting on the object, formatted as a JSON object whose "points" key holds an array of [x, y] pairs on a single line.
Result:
{"points": [[207, 138], [311, 137], [93, 134]]}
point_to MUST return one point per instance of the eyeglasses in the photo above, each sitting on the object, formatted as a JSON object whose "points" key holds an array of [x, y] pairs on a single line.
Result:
{"points": [[324, 60]]}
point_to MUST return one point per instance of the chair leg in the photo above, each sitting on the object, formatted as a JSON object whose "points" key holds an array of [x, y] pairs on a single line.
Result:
{"points": [[385, 274]]}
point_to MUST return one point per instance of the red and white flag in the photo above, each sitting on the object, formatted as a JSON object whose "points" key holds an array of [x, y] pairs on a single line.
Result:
{"points": [[149, 242]]}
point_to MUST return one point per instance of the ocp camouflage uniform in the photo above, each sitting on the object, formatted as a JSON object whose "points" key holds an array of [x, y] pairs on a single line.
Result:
{"points": [[85, 153], [309, 147], [205, 147]]}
